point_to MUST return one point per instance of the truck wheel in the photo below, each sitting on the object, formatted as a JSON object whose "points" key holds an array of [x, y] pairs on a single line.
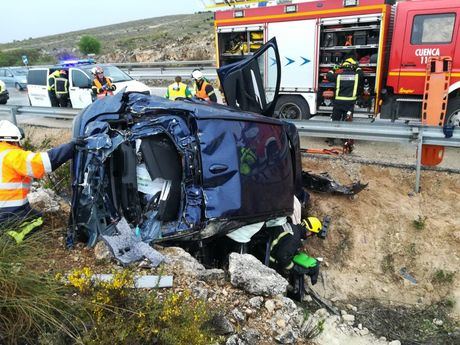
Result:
{"points": [[292, 108], [453, 112]]}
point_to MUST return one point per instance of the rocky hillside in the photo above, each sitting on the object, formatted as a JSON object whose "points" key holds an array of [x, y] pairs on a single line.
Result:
{"points": [[178, 37]]}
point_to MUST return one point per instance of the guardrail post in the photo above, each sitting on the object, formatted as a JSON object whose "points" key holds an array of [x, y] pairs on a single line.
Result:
{"points": [[13, 113], [419, 160]]}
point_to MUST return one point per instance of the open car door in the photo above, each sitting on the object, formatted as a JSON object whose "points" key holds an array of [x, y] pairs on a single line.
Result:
{"points": [[253, 83]]}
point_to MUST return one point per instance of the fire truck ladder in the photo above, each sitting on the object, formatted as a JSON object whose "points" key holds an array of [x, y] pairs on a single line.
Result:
{"points": [[434, 104]]}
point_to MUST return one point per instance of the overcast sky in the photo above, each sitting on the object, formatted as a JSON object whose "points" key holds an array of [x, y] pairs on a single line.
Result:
{"points": [[21, 19]]}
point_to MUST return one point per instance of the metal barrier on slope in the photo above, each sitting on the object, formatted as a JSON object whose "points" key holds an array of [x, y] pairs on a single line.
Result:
{"points": [[58, 113], [381, 130]]}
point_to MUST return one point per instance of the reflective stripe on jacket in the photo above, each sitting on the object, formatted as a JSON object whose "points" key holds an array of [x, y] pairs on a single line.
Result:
{"points": [[348, 83], [52, 80], [17, 168], [285, 245], [201, 92], [97, 85], [177, 90], [61, 86]]}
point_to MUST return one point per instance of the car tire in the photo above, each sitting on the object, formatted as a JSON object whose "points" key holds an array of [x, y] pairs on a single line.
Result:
{"points": [[453, 112], [292, 108], [18, 87]]}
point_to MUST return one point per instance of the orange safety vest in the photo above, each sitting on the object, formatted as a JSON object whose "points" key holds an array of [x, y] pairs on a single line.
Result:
{"points": [[98, 84], [201, 93], [17, 168]]}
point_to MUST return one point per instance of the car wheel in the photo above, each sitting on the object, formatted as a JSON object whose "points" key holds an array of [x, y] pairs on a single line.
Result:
{"points": [[453, 112], [18, 87], [292, 108]]}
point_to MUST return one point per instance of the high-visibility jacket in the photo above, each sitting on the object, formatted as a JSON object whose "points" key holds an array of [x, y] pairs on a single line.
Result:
{"points": [[61, 86], [347, 83], [176, 90], [202, 93], [97, 85], [17, 169], [286, 243], [52, 80]]}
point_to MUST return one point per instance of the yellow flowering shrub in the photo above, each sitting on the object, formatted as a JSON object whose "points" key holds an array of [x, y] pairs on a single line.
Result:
{"points": [[121, 314]]}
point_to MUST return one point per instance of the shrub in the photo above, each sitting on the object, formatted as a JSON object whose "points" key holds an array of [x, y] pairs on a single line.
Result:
{"points": [[31, 303], [14, 57], [442, 277], [89, 45], [124, 315]]}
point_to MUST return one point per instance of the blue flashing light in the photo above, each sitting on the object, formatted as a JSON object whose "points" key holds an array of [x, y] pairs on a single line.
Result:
{"points": [[70, 63]]}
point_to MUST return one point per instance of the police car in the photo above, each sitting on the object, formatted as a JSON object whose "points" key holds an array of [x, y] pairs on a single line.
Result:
{"points": [[80, 80]]}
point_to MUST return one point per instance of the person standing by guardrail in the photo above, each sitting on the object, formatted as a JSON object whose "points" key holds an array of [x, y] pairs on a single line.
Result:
{"points": [[102, 85], [52, 86], [61, 84], [177, 89], [17, 169], [203, 90]]}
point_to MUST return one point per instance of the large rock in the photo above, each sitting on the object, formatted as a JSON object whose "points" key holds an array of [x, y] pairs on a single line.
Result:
{"points": [[45, 200], [183, 260], [220, 324], [102, 251], [249, 274], [246, 337]]}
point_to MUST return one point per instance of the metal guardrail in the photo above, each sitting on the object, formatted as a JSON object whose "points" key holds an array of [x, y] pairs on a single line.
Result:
{"points": [[196, 63], [170, 73], [381, 130], [58, 113]]}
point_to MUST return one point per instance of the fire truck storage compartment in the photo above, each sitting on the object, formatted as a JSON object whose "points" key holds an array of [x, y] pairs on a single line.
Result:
{"points": [[236, 43], [353, 36]]}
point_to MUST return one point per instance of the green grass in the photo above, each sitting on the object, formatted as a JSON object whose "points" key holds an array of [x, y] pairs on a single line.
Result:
{"points": [[441, 277], [31, 303], [152, 33], [419, 223]]}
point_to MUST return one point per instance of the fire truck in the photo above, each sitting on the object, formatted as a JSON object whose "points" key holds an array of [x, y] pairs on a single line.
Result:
{"points": [[391, 41]]}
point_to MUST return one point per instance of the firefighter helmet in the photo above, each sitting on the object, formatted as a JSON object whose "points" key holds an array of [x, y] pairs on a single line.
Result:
{"points": [[312, 224], [97, 70], [10, 132], [197, 74], [350, 63]]}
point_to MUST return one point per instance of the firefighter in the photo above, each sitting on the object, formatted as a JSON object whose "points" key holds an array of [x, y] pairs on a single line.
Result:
{"points": [[203, 89], [18, 168], [61, 84], [348, 80], [286, 248], [102, 85], [177, 89], [52, 87]]}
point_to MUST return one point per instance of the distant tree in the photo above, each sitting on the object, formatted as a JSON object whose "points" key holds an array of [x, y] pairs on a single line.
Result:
{"points": [[89, 45]]}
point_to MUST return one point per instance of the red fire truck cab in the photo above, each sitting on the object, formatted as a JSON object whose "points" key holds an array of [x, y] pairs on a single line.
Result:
{"points": [[391, 42]]}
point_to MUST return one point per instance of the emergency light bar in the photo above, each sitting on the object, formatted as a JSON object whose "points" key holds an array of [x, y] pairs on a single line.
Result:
{"points": [[69, 63]]}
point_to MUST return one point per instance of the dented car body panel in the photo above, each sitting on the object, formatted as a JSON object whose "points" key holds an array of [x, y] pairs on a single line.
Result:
{"points": [[226, 168], [187, 169]]}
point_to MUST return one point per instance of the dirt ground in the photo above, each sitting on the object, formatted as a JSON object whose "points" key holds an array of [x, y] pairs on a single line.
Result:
{"points": [[374, 238], [387, 230]]}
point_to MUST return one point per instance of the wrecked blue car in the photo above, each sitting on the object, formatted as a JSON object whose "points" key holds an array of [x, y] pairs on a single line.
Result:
{"points": [[186, 170]]}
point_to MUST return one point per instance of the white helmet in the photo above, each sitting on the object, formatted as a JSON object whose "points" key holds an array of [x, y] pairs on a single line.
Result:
{"points": [[9, 132], [196, 74], [96, 70]]}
